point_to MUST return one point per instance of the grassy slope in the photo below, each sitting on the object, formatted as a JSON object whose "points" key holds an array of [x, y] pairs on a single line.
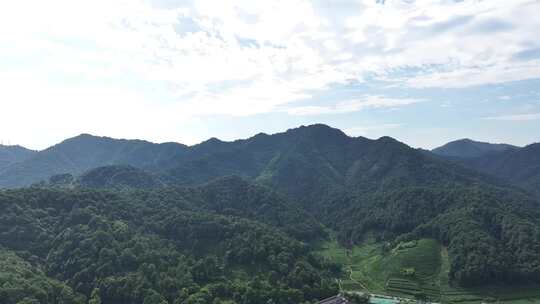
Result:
{"points": [[367, 268]]}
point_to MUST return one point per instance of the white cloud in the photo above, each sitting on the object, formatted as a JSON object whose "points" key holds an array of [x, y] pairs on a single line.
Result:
{"points": [[135, 37], [515, 117], [182, 60], [352, 105], [463, 77]]}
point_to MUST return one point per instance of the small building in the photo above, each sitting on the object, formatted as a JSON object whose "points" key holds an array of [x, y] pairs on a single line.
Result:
{"points": [[339, 299]]}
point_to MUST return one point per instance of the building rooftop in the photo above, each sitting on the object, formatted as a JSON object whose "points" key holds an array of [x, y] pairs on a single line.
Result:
{"points": [[334, 300]]}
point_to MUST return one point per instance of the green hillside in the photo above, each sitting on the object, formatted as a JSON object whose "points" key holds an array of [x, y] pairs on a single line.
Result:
{"points": [[148, 247], [414, 269], [118, 177]]}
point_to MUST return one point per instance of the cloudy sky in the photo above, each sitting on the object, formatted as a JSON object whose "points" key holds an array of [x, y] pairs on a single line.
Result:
{"points": [[422, 71]]}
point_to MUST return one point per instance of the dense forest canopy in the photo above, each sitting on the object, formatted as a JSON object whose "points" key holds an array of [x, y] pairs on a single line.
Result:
{"points": [[149, 247]]}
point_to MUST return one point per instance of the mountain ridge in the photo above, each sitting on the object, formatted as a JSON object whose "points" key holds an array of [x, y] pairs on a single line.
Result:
{"points": [[83, 152], [520, 167], [13, 154], [468, 148]]}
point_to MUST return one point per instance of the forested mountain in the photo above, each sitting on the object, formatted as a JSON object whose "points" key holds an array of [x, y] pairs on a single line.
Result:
{"points": [[514, 165], [119, 177], [13, 154], [114, 177], [237, 197], [317, 163], [518, 166], [357, 185], [467, 148], [291, 182], [70, 246], [230, 195], [84, 152]]}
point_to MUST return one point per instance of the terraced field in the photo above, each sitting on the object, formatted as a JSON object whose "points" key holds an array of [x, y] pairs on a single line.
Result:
{"points": [[403, 286], [339, 254], [414, 269]]}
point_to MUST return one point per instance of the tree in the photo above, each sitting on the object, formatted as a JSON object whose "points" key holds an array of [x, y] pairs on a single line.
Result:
{"points": [[95, 297]]}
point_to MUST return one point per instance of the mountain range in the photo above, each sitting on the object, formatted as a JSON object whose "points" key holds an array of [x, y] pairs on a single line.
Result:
{"points": [[84, 152], [306, 185], [338, 157]]}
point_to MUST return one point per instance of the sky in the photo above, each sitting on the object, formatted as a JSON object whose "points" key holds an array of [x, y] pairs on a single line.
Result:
{"points": [[422, 71]]}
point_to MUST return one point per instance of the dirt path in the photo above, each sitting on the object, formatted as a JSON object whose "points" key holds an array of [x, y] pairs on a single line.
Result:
{"points": [[354, 280]]}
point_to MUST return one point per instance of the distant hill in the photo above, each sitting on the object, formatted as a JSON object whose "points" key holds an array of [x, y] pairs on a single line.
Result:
{"points": [[467, 148], [84, 152], [13, 154], [517, 166], [514, 165]]}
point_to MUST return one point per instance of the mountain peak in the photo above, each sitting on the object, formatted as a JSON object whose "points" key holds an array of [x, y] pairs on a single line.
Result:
{"points": [[12, 147], [211, 142], [86, 135], [214, 140], [83, 136], [387, 139], [468, 148], [317, 130], [317, 126], [13, 154]]}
